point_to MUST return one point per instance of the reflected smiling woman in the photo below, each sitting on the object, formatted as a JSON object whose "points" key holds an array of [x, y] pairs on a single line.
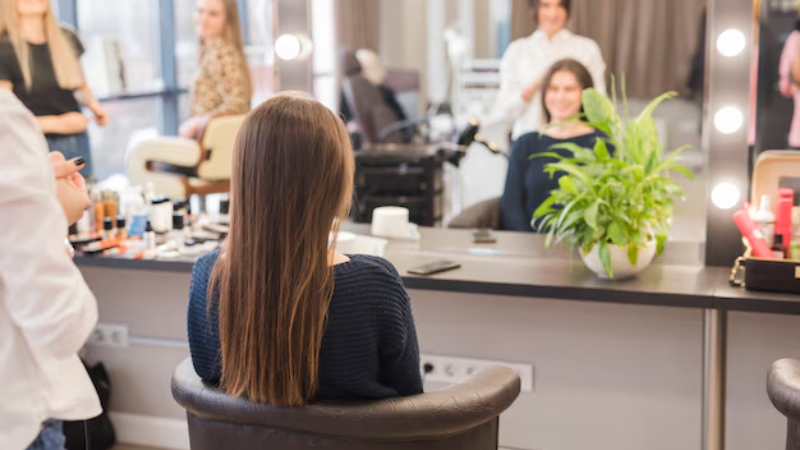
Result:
{"points": [[527, 184]]}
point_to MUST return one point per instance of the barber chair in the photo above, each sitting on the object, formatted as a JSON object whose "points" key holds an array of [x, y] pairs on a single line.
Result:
{"points": [[464, 416], [783, 388], [484, 215], [371, 111], [204, 167]]}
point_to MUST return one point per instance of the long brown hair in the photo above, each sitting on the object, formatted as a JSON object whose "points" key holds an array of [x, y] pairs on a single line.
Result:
{"points": [[233, 35], [565, 65], [66, 65], [291, 186]]}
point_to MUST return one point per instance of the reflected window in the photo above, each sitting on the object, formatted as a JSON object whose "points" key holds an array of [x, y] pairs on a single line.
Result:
{"points": [[131, 120], [122, 45]]}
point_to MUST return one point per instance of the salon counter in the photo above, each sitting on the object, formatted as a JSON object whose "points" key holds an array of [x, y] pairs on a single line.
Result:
{"points": [[519, 265]]}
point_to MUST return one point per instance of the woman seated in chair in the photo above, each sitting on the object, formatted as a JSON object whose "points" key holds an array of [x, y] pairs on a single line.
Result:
{"points": [[222, 85], [277, 316], [527, 184]]}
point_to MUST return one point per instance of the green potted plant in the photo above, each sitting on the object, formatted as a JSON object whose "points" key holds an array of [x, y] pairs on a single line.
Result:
{"points": [[614, 206]]}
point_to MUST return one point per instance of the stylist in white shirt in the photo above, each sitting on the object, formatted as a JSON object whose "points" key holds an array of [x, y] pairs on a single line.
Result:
{"points": [[527, 60], [46, 309]]}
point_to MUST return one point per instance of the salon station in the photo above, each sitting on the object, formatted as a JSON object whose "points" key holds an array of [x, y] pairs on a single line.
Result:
{"points": [[651, 314]]}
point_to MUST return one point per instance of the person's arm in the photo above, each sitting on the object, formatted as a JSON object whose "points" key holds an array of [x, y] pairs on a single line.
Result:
{"points": [[86, 96], [44, 292], [788, 56], [514, 96], [400, 357], [69, 123], [512, 203], [202, 322], [597, 67]]}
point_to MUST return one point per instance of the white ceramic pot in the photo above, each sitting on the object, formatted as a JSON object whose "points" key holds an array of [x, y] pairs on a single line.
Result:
{"points": [[621, 266]]}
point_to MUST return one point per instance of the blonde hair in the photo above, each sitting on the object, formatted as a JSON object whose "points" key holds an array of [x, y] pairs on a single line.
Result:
{"points": [[233, 35], [371, 66], [65, 61]]}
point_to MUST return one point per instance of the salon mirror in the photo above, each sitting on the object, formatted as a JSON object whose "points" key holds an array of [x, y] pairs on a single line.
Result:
{"points": [[444, 55]]}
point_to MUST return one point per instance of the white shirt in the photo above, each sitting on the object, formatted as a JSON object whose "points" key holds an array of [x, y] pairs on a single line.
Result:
{"points": [[46, 309], [528, 59]]}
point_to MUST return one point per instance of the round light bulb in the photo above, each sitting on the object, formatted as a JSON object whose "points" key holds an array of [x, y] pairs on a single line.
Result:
{"points": [[731, 43], [725, 196], [728, 120], [288, 47]]}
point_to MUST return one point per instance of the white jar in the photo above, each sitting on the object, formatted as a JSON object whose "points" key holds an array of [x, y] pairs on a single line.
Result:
{"points": [[161, 215]]}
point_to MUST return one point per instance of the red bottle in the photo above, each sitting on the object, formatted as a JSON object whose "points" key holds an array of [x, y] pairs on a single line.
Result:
{"points": [[748, 230], [783, 214]]}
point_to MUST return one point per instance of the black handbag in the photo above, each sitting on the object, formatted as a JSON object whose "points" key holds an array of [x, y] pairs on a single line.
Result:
{"points": [[99, 431]]}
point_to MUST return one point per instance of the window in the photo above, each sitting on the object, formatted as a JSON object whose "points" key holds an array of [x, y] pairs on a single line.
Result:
{"points": [[122, 46], [129, 119], [141, 56]]}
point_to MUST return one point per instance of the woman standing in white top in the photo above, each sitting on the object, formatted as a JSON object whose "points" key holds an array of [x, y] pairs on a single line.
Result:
{"points": [[527, 60], [46, 309]]}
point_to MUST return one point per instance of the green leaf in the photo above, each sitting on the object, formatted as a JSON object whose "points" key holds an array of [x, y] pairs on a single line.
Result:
{"points": [[545, 207], [616, 235], [633, 253], [601, 150], [683, 170], [661, 240], [599, 109], [570, 169], [605, 258], [650, 109], [590, 216], [566, 184]]}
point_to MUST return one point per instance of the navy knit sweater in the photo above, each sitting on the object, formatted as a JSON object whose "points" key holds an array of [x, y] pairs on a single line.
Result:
{"points": [[369, 347]]}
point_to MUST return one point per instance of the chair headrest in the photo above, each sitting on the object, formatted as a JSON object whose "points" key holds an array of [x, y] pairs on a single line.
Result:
{"points": [[783, 387], [438, 414]]}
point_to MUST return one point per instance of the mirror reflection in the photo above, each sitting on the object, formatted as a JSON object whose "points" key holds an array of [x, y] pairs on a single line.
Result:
{"points": [[439, 64]]}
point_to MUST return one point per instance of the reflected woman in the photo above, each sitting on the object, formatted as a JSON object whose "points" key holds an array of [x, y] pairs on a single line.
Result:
{"points": [[527, 59], [790, 81], [527, 184], [277, 316], [222, 85], [40, 64]]}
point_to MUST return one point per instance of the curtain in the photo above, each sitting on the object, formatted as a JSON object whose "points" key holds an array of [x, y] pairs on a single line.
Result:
{"points": [[651, 42], [358, 24]]}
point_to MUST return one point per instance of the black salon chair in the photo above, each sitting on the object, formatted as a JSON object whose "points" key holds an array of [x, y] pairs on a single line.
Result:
{"points": [[483, 215], [464, 417], [783, 388]]}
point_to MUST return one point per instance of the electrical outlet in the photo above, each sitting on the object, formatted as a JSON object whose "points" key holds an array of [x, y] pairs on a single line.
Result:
{"points": [[451, 370], [109, 335]]}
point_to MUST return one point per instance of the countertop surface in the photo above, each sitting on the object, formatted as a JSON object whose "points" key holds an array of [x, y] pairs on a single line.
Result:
{"points": [[519, 265]]}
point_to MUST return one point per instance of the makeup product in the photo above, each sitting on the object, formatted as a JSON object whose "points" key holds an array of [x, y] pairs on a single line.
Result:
{"points": [[783, 214], [99, 211], [177, 235], [108, 229], [111, 205], [753, 236], [122, 230], [778, 249], [764, 219], [149, 237], [84, 224], [161, 215]]}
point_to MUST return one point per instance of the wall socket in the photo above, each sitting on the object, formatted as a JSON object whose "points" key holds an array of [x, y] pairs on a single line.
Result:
{"points": [[451, 370], [109, 335]]}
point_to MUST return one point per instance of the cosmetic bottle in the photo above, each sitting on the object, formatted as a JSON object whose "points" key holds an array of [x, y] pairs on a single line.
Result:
{"points": [[764, 219]]}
